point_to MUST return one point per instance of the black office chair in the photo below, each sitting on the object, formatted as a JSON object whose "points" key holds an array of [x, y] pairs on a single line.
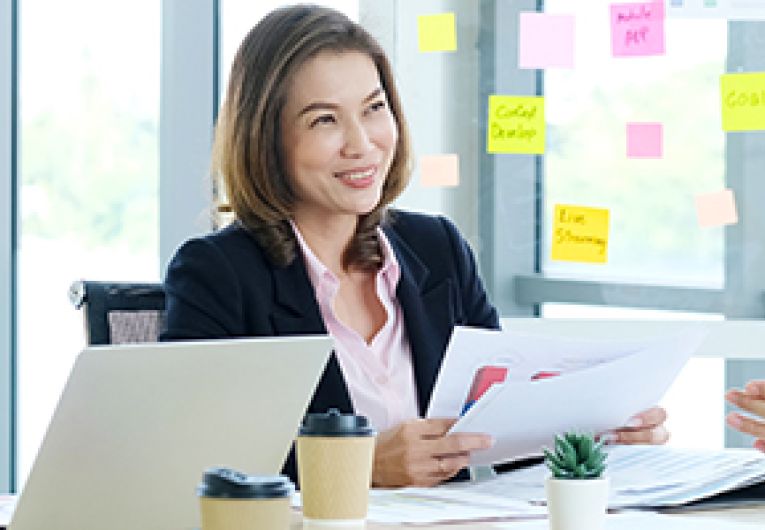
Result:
{"points": [[119, 313]]}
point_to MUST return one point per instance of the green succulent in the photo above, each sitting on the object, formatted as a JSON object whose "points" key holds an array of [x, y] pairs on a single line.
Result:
{"points": [[576, 456]]}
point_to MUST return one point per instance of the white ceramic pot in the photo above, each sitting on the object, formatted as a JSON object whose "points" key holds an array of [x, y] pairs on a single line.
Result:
{"points": [[577, 504]]}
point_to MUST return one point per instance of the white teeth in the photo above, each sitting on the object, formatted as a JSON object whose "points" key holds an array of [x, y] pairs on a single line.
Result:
{"points": [[360, 175]]}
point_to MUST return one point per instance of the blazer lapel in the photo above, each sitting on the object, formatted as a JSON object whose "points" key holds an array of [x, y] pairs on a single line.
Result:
{"points": [[296, 312], [428, 318]]}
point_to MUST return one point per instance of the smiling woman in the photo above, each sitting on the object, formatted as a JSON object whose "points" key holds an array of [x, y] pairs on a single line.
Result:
{"points": [[312, 147]]}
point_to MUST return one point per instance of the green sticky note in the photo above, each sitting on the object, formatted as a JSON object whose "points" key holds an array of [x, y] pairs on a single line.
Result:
{"points": [[437, 33], [743, 101], [516, 124]]}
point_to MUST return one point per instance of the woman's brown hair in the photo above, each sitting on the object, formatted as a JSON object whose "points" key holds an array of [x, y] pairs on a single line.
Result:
{"points": [[247, 152]]}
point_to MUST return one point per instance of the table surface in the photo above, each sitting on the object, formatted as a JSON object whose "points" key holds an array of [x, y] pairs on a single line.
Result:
{"points": [[740, 514]]}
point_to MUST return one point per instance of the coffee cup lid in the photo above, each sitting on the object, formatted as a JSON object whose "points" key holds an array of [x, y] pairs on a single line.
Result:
{"points": [[335, 423], [221, 482]]}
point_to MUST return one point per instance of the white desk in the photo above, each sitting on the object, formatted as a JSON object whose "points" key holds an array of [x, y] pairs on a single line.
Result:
{"points": [[743, 515]]}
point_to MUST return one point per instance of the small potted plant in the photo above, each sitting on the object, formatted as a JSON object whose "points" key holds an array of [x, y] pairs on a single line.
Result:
{"points": [[577, 491]]}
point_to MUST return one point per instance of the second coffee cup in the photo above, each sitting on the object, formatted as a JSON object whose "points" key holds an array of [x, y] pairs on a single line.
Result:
{"points": [[230, 500], [334, 455]]}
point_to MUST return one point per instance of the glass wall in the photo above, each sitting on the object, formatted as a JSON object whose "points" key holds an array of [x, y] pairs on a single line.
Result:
{"points": [[89, 107]]}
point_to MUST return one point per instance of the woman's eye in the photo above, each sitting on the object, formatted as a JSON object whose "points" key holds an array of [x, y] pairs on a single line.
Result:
{"points": [[377, 105], [323, 119]]}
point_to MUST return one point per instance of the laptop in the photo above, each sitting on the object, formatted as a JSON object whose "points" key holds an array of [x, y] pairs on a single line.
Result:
{"points": [[137, 425]]}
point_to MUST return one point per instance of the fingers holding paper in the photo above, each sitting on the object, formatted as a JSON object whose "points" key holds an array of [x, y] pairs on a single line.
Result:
{"points": [[751, 399], [647, 427], [421, 453]]}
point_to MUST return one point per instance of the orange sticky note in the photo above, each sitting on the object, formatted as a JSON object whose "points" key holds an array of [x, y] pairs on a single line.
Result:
{"points": [[440, 170], [716, 209]]}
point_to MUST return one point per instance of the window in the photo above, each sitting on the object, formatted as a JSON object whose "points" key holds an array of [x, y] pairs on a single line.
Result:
{"points": [[88, 179]]}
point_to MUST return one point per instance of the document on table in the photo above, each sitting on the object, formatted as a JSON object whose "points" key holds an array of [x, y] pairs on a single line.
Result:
{"points": [[643, 476], [554, 385], [642, 521], [413, 506]]}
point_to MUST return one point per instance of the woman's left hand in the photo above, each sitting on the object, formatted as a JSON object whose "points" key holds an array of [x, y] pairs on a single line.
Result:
{"points": [[646, 427]]}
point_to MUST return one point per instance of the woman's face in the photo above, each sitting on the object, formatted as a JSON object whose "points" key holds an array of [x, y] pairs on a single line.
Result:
{"points": [[339, 136]]}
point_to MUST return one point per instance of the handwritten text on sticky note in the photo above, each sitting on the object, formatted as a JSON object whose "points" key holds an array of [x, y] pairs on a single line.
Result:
{"points": [[637, 29], [516, 124], [716, 209], [546, 41], [440, 170], [437, 33], [743, 101], [580, 234]]}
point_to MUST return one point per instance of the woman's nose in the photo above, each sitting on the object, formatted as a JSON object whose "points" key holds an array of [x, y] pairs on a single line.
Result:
{"points": [[357, 140]]}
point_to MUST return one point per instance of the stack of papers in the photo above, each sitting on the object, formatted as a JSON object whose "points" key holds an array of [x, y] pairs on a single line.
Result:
{"points": [[643, 521], [552, 385], [644, 476]]}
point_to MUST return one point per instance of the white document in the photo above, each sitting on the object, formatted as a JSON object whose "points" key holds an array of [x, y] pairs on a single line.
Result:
{"points": [[643, 521], [644, 476], [595, 392], [440, 505], [723, 9], [524, 356]]}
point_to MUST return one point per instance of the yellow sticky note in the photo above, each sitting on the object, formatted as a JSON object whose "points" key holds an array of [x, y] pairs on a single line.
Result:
{"points": [[437, 33], [580, 234], [440, 170], [516, 125], [743, 101]]}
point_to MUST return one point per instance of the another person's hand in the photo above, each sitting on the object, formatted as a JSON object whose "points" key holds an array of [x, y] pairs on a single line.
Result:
{"points": [[646, 427], [751, 399], [420, 453]]}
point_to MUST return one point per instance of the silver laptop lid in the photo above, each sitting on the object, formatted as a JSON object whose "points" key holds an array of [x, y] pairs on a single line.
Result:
{"points": [[136, 426]]}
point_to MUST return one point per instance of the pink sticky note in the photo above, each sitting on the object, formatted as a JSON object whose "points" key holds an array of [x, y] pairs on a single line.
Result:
{"points": [[440, 170], [716, 209], [637, 29], [546, 41], [645, 140]]}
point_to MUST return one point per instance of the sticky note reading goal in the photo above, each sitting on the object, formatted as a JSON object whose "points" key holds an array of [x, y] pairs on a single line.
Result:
{"points": [[516, 125], [743, 101], [437, 33], [580, 234]]}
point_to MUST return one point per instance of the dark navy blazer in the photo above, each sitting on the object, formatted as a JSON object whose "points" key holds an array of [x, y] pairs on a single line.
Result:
{"points": [[224, 285]]}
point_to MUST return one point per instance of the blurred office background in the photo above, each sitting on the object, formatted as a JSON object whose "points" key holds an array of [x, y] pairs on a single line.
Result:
{"points": [[106, 115]]}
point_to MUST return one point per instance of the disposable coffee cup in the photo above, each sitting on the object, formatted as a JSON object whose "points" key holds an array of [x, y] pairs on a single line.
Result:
{"points": [[230, 500], [334, 456]]}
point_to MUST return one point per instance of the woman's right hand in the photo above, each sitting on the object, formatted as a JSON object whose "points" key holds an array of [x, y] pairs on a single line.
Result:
{"points": [[751, 399], [421, 453]]}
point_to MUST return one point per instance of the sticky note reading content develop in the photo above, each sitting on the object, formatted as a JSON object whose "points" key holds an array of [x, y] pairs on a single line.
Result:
{"points": [[440, 170], [637, 29], [437, 33], [743, 101], [546, 41], [645, 140], [716, 209], [516, 125], [580, 234]]}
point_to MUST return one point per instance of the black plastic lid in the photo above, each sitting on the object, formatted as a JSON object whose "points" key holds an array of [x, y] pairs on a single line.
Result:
{"points": [[335, 423], [224, 483]]}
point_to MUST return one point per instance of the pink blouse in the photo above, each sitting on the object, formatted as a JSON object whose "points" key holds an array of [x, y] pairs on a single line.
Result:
{"points": [[378, 374]]}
